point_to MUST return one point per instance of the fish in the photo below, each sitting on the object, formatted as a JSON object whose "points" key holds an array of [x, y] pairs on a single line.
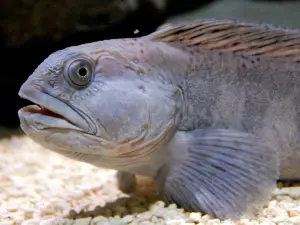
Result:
{"points": [[210, 110]]}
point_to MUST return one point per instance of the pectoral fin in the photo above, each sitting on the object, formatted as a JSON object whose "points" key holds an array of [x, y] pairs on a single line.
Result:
{"points": [[220, 172]]}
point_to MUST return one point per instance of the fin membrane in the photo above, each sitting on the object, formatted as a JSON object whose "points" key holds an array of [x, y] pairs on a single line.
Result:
{"points": [[233, 36], [223, 173]]}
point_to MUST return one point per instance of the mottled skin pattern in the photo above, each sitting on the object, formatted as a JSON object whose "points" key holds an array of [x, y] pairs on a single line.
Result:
{"points": [[256, 94], [128, 58], [247, 93], [156, 106]]}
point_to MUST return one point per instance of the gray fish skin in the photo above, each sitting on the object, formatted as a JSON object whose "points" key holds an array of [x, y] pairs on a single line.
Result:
{"points": [[261, 97], [254, 90], [208, 109]]}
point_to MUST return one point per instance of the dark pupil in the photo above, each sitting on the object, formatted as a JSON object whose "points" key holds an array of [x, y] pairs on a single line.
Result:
{"points": [[82, 72]]}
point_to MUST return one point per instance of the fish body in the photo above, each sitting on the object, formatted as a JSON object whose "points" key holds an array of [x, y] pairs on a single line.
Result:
{"points": [[209, 109]]}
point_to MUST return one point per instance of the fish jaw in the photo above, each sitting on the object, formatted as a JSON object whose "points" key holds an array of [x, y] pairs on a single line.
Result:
{"points": [[55, 125], [49, 112]]}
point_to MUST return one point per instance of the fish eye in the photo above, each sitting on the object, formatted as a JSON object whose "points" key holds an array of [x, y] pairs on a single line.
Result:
{"points": [[82, 71], [79, 73]]}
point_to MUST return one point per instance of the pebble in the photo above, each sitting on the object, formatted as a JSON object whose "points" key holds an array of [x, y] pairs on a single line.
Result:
{"points": [[115, 221], [65, 188], [276, 211], [293, 192], [146, 223], [69, 222], [99, 219], [28, 213], [134, 223], [144, 216], [294, 211], [175, 222], [196, 217], [76, 194], [244, 221], [31, 222], [82, 221], [7, 223], [102, 223], [214, 222], [56, 221], [281, 219], [127, 219], [207, 217], [295, 220]]}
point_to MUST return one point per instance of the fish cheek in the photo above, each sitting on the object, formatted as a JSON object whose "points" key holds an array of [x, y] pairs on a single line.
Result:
{"points": [[119, 114]]}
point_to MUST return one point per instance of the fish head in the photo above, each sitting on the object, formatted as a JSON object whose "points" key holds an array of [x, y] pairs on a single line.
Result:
{"points": [[95, 102]]}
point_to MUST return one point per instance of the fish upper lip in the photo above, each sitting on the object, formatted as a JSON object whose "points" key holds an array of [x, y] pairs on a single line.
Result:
{"points": [[54, 105]]}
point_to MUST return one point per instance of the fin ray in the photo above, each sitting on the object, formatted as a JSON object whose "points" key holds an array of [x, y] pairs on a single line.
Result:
{"points": [[221, 172], [234, 36]]}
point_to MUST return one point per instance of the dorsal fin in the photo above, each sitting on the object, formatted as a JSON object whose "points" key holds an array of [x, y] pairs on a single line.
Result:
{"points": [[235, 36]]}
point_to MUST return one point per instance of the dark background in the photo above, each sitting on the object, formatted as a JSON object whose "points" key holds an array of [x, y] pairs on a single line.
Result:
{"points": [[32, 29]]}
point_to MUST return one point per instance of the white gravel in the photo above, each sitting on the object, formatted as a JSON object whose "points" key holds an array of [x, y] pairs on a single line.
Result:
{"points": [[41, 187]]}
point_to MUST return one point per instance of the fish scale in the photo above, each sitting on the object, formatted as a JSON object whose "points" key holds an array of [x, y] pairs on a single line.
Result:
{"points": [[210, 110]]}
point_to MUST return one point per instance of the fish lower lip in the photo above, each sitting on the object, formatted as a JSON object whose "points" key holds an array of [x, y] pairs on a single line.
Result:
{"points": [[50, 107], [44, 119]]}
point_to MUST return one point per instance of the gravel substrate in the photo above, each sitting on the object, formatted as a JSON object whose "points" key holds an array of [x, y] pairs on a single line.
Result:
{"points": [[41, 187]]}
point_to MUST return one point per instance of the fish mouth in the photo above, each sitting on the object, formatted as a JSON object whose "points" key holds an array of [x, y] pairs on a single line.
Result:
{"points": [[50, 112]]}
